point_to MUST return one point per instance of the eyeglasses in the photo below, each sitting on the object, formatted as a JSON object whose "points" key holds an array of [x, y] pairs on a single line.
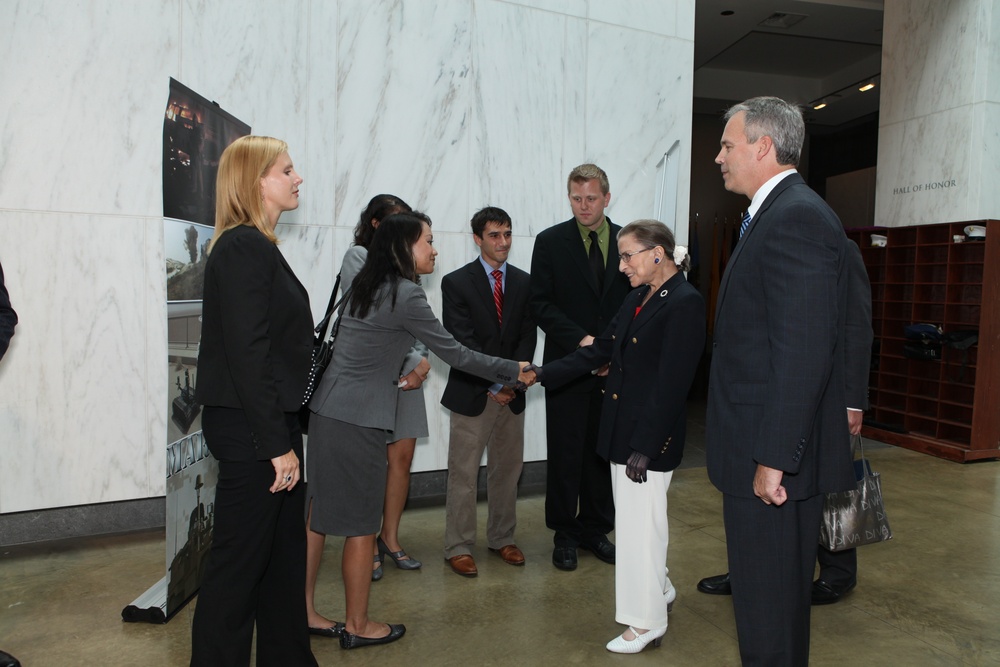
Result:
{"points": [[626, 257]]}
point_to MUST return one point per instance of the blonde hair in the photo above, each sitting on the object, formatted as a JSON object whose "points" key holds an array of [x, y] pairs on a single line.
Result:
{"points": [[238, 199]]}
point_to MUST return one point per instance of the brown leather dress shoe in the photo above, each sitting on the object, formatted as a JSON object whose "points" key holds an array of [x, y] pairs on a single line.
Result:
{"points": [[510, 554], [463, 564]]}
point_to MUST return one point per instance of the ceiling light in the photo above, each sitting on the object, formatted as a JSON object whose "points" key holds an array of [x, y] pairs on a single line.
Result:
{"points": [[821, 105], [868, 86]]}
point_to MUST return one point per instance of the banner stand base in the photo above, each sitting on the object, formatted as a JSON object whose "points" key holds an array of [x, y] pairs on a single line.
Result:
{"points": [[150, 607]]}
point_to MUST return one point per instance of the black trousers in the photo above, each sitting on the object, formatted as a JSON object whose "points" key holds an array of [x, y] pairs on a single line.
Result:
{"points": [[256, 569], [579, 505], [772, 555], [838, 568]]}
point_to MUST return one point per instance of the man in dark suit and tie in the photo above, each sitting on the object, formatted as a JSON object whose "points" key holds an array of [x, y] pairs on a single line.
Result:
{"points": [[485, 309], [775, 435], [838, 570], [575, 293]]}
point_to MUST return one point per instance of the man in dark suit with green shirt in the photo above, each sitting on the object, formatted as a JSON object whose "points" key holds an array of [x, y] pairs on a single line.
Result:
{"points": [[576, 291]]}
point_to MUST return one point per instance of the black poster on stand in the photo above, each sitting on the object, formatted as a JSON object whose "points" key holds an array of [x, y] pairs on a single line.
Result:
{"points": [[195, 133]]}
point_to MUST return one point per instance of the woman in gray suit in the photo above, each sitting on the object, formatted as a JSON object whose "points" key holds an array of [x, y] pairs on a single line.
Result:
{"points": [[411, 423], [355, 404]]}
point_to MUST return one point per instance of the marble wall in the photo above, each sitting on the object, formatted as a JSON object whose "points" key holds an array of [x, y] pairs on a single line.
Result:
{"points": [[452, 105], [940, 112]]}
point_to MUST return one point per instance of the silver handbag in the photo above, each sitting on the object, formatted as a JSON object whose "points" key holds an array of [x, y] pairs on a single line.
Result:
{"points": [[857, 517]]}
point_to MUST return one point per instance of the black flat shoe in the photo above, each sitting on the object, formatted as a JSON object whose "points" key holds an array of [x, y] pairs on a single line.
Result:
{"points": [[564, 558], [717, 585], [602, 548], [347, 640], [332, 632], [824, 593], [402, 561]]}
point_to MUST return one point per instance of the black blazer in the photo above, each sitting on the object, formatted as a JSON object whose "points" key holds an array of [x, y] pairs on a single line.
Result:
{"points": [[564, 299], [471, 317], [256, 339], [8, 318], [653, 360], [777, 387]]}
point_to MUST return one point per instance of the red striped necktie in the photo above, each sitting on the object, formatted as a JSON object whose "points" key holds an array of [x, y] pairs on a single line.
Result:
{"points": [[498, 293]]}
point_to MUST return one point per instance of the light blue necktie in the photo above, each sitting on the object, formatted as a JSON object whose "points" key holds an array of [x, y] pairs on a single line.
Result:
{"points": [[745, 224]]}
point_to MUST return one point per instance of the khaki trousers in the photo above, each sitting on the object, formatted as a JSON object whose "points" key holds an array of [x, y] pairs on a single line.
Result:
{"points": [[500, 433]]}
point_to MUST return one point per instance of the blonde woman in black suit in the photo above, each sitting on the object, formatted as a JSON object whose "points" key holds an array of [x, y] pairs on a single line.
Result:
{"points": [[355, 404], [253, 362], [652, 346]]}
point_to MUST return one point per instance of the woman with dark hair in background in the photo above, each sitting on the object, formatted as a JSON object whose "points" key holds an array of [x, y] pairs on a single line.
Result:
{"points": [[256, 342], [411, 423], [355, 404], [653, 347]]}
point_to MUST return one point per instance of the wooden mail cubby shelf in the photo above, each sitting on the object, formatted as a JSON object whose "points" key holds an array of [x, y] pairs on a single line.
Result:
{"points": [[949, 408]]}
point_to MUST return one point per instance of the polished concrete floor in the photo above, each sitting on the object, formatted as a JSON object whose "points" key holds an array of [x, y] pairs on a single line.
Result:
{"points": [[931, 596]]}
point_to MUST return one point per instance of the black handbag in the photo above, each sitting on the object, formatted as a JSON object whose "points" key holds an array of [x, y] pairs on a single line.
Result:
{"points": [[322, 350], [923, 342], [857, 517]]}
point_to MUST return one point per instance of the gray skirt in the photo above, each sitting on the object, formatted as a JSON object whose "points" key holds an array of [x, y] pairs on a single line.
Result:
{"points": [[411, 416], [345, 469]]}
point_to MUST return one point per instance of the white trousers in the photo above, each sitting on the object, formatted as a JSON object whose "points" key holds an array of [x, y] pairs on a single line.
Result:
{"points": [[641, 537]]}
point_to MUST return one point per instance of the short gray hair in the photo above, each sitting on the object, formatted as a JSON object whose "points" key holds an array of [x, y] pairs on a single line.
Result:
{"points": [[775, 118]]}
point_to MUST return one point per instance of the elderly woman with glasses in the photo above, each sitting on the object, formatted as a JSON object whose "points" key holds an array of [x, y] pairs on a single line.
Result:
{"points": [[651, 350]]}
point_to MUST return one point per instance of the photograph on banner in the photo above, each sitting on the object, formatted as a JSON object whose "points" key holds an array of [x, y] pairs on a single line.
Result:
{"points": [[185, 246], [192, 476], [195, 132]]}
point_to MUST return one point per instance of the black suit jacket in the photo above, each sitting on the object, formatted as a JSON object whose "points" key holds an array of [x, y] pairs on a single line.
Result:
{"points": [[565, 302], [471, 317], [256, 339], [8, 318], [777, 387], [653, 360]]}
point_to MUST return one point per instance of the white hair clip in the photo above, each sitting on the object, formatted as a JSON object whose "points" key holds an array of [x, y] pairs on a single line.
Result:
{"points": [[680, 252]]}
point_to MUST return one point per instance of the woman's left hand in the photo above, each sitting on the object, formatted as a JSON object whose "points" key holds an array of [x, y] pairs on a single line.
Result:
{"points": [[635, 469], [286, 472], [416, 377]]}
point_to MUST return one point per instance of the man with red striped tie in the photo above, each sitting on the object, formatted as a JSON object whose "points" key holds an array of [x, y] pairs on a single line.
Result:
{"points": [[485, 309]]}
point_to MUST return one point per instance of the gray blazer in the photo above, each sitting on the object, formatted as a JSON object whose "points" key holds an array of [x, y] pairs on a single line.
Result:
{"points": [[360, 388], [354, 260]]}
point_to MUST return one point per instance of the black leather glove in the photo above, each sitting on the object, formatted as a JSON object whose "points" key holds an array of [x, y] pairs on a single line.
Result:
{"points": [[520, 386], [635, 469]]}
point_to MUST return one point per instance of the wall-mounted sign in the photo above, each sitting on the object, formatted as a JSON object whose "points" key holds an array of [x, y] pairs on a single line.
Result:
{"points": [[925, 187]]}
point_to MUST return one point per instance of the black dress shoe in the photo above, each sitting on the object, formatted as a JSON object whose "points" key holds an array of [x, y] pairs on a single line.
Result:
{"points": [[824, 593], [7, 660], [564, 558], [602, 548], [332, 632], [347, 640], [717, 585]]}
